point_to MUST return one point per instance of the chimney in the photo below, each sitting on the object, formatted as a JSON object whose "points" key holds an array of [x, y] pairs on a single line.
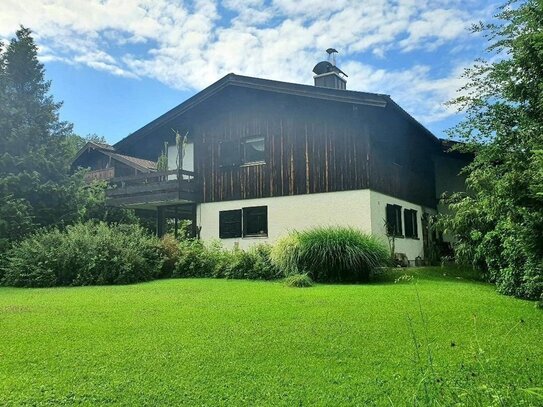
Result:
{"points": [[328, 75]]}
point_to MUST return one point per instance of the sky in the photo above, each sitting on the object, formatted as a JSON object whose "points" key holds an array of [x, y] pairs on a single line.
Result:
{"points": [[118, 64]]}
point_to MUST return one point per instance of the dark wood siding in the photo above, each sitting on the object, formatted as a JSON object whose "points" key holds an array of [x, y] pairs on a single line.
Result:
{"points": [[401, 154], [312, 146]]}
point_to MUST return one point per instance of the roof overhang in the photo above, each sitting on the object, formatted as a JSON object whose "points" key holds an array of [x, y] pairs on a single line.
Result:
{"points": [[343, 96]]}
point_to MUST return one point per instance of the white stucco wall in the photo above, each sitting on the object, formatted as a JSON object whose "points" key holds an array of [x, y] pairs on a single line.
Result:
{"points": [[188, 159], [363, 209], [298, 212], [411, 247]]}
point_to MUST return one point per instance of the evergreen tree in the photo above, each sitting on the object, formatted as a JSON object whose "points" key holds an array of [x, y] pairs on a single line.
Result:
{"points": [[35, 186], [499, 223]]}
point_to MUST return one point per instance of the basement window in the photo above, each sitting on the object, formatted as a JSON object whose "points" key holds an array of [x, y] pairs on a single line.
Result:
{"points": [[253, 150], [255, 221], [230, 224], [394, 220], [411, 224], [246, 222]]}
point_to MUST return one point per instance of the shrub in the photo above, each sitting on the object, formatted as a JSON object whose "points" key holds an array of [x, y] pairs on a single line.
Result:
{"points": [[193, 260], [84, 254], [331, 254], [197, 259], [169, 249], [299, 281], [284, 254]]}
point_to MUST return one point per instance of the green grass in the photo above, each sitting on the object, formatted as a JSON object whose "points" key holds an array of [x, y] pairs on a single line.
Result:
{"points": [[224, 342]]}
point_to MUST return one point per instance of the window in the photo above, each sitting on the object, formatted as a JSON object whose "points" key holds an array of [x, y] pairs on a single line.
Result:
{"points": [[229, 154], [255, 221], [246, 222], [230, 224], [253, 150], [411, 224], [394, 220]]}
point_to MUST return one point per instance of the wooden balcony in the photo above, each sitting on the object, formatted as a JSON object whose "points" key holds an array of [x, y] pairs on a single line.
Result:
{"points": [[105, 174], [153, 189]]}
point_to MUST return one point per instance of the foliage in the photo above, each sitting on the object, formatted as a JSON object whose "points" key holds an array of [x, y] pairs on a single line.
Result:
{"points": [[162, 162], [197, 259], [331, 254], [298, 281], [169, 249], [232, 342], [83, 254], [498, 224], [35, 151]]}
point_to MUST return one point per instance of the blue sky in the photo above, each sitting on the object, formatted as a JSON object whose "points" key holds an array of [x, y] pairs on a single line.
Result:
{"points": [[118, 64]]}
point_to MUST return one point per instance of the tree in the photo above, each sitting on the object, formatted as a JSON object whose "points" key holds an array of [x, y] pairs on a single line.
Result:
{"points": [[498, 224], [35, 185]]}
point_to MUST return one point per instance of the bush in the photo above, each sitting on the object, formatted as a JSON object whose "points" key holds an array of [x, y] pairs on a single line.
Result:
{"points": [[169, 249], [331, 254], [197, 259], [299, 281], [194, 260], [84, 254]]}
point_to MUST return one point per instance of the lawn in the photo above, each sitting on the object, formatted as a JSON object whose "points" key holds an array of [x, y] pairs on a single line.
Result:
{"points": [[220, 342]]}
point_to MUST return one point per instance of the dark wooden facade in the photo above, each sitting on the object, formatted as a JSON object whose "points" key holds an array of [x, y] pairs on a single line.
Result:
{"points": [[313, 144]]}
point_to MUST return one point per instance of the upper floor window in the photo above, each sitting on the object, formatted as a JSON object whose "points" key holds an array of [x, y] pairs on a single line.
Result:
{"points": [[394, 220], [411, 224], [229, 153], [253, 150]]}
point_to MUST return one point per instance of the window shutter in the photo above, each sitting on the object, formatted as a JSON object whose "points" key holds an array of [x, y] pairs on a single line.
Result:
{"points": [[415, 224], [408, 220], [391, 219], [229, 153], [399, 229], [230, 224]]}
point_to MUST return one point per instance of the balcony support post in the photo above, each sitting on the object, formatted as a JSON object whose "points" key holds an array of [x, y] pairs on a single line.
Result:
{"points": [[160, 221]]}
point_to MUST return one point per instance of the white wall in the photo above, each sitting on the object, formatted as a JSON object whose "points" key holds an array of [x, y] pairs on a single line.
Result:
{"points": [[188, 159], [363, 209], [411, 247], [298, 212]]}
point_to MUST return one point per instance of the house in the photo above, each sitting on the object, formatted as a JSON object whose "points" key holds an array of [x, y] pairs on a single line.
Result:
{"points": [[263, 157], [105, 163]]}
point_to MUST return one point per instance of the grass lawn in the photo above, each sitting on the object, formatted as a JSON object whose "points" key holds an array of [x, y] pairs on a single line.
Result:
{"points": [[219, 342]]}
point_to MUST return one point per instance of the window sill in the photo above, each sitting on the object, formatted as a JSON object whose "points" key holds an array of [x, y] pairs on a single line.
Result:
{"points": [[253, 164], [412, 238], [255, 237]]}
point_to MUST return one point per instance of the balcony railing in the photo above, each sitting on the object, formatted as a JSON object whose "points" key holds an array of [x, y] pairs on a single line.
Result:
{"points": [[153, 188], [105, 174]]}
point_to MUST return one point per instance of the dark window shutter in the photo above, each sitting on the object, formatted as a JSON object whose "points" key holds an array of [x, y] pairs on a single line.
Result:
{"points": [[230, 224], [415, 225], [229, 153], [391, 219], [399, 229], [394, 219], [408, 221]]}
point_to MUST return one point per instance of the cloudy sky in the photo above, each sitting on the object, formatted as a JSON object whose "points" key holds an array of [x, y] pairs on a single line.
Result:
{"points": [[117, 64]]}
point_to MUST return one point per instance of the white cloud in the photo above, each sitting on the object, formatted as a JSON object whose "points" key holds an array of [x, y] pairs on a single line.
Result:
{"points": [[189, 45]]}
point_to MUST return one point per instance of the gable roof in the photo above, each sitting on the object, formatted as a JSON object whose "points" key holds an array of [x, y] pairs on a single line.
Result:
{"points": [[106, 149], [136, 162], [337, 95]]}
